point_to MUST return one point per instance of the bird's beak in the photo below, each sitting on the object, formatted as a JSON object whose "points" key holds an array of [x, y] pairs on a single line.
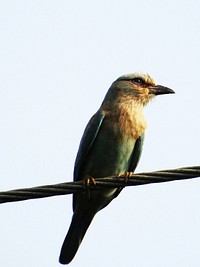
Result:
{"points": [[160, 90]]}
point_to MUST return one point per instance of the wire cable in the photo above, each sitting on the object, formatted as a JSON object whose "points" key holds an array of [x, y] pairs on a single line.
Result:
{"points": [[109, 182]]}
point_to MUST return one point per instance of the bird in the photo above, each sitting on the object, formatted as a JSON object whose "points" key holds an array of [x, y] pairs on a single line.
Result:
{"points": [[111, 145]]}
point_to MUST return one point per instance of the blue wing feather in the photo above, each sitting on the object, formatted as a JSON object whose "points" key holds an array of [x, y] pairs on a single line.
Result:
{"points": [[87, 141], [136, 154], [135, 157]]}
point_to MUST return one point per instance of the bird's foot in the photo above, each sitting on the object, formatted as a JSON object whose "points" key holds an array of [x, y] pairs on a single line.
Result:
{"points": [[126, 175], [87, 181]]}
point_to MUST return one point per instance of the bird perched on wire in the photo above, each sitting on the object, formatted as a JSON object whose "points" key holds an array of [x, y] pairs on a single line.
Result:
{"points": [[111, 145]]}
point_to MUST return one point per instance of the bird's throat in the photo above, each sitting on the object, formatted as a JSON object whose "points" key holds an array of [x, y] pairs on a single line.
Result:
{"points": [[127, 119]]}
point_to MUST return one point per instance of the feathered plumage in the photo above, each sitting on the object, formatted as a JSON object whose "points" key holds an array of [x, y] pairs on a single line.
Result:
{"points": [[111, 145]]}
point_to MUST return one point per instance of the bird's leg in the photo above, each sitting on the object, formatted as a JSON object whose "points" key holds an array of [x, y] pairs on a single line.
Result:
{"points": [[126, 175], [87, 181]]}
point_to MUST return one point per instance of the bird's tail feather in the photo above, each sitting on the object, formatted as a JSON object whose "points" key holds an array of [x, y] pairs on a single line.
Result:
{"points": [[74, 237]]}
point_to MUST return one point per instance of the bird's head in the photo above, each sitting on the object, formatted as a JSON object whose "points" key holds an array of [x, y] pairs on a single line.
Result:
{"points": [[140, 88]]}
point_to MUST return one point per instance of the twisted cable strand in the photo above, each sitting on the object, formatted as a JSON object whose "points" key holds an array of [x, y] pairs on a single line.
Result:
{"points": [[74, 187]]}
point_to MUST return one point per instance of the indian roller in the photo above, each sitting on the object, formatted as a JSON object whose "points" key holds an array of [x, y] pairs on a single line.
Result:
{"points": [[111, 145]]}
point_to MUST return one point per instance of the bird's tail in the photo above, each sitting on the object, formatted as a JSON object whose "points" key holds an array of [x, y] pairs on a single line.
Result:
{"points": [[74, 237]]}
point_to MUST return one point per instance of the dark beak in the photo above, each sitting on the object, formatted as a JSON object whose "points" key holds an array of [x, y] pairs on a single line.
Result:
{"points": [[160, 90]]}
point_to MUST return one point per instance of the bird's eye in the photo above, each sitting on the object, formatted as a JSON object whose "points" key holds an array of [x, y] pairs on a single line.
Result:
{"points": [[138, 81]]}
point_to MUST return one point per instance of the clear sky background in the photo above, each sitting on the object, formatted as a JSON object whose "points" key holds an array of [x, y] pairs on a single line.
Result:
{"points": [[57, 60]]}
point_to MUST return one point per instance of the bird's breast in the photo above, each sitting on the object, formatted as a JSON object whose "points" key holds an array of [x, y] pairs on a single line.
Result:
{"points": [[112, 149], [127, 122]]}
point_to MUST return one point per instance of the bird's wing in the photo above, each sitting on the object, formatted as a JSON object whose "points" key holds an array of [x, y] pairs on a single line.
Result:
{"points": [[135, 157], [137, 151], [87, 141]]}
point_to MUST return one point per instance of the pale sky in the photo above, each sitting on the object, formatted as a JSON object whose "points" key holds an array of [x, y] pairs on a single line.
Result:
{"points": [[57, 60]]}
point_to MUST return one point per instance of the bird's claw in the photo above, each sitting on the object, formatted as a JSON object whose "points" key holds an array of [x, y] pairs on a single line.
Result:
{"points": [[126, 175], [87, 181]]}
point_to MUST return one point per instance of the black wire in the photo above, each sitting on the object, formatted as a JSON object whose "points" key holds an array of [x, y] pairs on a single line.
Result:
{"points": [[73, 187]]}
